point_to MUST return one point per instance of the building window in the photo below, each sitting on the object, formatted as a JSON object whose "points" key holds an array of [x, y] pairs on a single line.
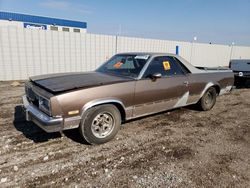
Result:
{"points": [[65, 29], [76, 30], [53, 28]]}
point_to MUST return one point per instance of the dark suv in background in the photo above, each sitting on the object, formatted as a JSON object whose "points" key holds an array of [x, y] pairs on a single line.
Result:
{"points": [[241, 69]]}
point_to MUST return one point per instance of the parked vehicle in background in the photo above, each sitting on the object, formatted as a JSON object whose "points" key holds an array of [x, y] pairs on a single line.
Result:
{"points": [[241, 69], [127, 86]]}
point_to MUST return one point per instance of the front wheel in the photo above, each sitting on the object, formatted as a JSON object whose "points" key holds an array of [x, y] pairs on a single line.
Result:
{"points": [[208, 100], [100, 124]]}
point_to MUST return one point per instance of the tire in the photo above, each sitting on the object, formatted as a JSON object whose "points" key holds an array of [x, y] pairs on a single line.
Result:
{"points": [[100, 124], [208, 100]]}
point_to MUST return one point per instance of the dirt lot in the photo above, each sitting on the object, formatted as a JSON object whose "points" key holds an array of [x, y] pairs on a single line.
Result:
{"points": [[181, 148]]}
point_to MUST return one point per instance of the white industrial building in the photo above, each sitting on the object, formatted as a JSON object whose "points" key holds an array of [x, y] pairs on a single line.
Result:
{"points": [[34, 45], [41, 23]]}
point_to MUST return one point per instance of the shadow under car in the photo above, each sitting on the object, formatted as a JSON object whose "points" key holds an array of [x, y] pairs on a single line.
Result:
{"points": [[33, 132]]}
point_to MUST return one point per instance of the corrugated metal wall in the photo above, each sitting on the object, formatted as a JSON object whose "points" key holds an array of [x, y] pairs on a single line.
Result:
{"points": [[24, 52]]}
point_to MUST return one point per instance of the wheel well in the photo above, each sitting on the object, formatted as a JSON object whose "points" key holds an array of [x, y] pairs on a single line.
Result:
{"points": [[217, 88], [119, 107]]}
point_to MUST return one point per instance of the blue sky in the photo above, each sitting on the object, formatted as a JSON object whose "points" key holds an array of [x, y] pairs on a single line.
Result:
{"points": [[216, 21]]}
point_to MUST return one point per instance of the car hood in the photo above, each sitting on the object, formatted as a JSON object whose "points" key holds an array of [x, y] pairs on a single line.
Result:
{"points": [[57, 83], [241, 66]]}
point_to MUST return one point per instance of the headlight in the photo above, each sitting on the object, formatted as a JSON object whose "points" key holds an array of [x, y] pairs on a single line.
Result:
{"points": [[44, 105]]}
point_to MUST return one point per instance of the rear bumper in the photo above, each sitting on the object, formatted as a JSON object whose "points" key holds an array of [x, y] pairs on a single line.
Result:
{"points": [[47, 123]]}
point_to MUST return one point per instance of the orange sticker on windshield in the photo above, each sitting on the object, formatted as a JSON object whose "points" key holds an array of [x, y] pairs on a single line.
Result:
{"points": [[166, 65], [118, 65]]}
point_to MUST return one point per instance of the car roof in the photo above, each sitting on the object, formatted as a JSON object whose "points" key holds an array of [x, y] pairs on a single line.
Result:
{"points": [[147, 53], [188, 65]]}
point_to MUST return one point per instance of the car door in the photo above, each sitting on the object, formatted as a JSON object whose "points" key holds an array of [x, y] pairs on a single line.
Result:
{"points": [[168, 91]]}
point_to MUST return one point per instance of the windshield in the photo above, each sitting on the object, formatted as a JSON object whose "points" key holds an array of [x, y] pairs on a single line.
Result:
{"points": [[124, 65]]}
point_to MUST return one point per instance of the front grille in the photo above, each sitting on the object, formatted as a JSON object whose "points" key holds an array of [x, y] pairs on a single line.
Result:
{"points": [[37, 99], [31, 95], [245, 73]]}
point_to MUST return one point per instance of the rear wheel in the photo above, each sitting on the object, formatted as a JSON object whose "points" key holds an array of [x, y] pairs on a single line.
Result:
{"points": [[100, 124], [208, 100]]}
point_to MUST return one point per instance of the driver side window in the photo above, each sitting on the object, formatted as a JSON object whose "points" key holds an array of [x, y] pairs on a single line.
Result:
{"points": [[164, 65]]}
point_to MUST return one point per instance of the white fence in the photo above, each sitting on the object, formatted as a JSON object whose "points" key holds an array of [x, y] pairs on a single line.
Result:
{"points": [[24, 52]]}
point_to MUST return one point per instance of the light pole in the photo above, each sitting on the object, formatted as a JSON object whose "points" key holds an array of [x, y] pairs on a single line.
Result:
{"points": [[120, 30], [231, 52], [119, 33], [191, 56]]}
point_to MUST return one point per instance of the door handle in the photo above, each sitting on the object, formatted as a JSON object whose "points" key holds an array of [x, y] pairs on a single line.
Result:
{"points": [[186, 83]]}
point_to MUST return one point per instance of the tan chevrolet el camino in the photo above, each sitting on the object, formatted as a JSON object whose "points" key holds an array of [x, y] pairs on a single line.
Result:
{"points": [[127, 86]]}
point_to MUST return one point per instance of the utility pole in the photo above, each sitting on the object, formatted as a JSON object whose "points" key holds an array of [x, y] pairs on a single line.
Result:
{"points": [[231, 52], [119, 33], [120, 30], [191, 56]]}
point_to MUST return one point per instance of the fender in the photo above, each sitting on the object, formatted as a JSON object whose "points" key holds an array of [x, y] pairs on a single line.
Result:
{"points": [[73, 122], [208, 85], [97, 102]]}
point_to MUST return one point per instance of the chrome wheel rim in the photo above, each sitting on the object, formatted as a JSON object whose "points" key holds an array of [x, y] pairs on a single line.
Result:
{"points": [[209, 98], [102, 125]]}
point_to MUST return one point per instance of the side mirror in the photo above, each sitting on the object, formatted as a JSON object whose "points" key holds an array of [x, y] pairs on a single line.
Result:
{"points": [[155, 76]]}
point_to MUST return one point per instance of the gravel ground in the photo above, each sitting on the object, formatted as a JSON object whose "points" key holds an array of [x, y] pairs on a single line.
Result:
{"points": [[180, 148]]}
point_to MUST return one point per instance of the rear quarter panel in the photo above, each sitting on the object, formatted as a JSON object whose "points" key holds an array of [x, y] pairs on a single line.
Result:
{"points": [[199, 83]]}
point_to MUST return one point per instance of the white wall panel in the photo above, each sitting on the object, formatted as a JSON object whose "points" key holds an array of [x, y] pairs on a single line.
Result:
{"points": [[209, 55], [25, 53], [240, 52]]}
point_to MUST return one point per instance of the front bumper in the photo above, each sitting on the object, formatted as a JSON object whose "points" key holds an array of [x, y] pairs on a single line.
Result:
{"points": [[242, 74], [47, 123]]}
